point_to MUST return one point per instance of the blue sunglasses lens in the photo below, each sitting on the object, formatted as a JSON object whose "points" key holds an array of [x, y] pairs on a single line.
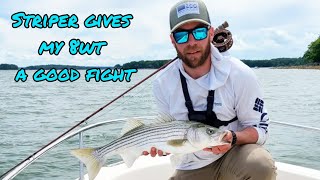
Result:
{"points": [[183, 36], [200, 33]]}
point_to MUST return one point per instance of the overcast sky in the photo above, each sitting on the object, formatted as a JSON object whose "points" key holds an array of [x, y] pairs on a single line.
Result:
{"points": [[262, 29]]}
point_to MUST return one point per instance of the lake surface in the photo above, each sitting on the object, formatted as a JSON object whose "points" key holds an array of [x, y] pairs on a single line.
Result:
{"points": [[34, 113]]}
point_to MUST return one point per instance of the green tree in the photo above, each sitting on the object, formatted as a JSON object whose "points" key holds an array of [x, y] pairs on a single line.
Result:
{"points": [[117, 66], [8, 67], [312, 55]]}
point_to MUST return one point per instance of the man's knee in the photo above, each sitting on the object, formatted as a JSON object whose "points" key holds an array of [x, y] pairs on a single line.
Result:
{"points": [[250, 161], [261, 170], [260, 164]]}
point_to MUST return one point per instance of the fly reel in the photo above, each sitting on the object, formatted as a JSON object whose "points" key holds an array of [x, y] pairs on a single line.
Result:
{"points": [[222, 38]]}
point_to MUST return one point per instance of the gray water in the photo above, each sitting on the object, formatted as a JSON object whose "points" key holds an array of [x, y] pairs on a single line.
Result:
{"points": [[34, 113]]}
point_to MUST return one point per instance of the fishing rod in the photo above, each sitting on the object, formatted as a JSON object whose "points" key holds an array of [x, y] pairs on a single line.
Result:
{"points": [[88, 117], [222, 40]]}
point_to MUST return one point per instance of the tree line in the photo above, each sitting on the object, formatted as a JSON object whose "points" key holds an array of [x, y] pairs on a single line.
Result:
{"points": [[278, 62], [154, 64], [310, 57], [8, 67]]}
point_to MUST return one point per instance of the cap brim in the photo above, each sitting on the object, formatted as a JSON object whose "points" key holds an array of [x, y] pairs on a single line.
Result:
{"points": [[189, 20]]}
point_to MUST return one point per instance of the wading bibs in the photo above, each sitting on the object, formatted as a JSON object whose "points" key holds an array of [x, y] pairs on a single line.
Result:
{"points": [[208, 117]]}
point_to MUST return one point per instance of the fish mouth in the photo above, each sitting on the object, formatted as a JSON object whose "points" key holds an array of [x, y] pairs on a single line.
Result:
{"points": [[222, 136]]}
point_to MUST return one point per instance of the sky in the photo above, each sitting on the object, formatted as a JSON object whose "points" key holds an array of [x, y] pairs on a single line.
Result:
{"points": [[261, 29]]}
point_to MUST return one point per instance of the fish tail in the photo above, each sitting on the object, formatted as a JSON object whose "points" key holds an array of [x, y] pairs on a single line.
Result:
{"points": [[92, 161]]}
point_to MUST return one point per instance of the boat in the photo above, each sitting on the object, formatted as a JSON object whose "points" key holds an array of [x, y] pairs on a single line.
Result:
{"points": [[155, 168], [159, 168]]}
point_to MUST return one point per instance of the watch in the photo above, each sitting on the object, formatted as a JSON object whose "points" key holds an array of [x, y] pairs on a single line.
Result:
{"points": [[234, 138]]}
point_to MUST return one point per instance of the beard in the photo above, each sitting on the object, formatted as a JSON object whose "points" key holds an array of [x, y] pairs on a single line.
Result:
{"points": [[194, 62]]}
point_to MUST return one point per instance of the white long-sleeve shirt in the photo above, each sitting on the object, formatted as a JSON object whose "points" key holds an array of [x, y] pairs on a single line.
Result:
{"points": [[237, 93]]}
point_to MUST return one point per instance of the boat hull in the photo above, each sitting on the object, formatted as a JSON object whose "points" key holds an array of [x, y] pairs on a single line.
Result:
{"points": [[159, 168]]}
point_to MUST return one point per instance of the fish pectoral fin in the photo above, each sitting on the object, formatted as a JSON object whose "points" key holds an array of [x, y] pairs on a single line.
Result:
{"points": [[131, 125], [130, 156], [176, 159], [177, 142]]}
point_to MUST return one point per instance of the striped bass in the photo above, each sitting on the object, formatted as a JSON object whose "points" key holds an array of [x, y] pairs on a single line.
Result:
{"points": [[165, 133]]}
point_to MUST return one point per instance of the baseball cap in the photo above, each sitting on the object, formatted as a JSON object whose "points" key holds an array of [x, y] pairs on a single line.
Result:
{"points": [[187, 11]]}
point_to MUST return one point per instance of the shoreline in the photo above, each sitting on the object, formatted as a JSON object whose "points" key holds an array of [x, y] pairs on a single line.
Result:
{"points": [[298, 67]]}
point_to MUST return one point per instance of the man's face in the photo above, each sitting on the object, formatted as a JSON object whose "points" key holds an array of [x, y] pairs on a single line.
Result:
{"points": [[194, 52]]}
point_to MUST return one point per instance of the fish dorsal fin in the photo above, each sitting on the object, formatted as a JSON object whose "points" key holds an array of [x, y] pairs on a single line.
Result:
{"points": [[163, 118], [130, 156], [131, 125]]}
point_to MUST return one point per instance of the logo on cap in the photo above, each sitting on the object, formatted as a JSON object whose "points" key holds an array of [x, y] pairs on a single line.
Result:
{"points": [[188, 8]]}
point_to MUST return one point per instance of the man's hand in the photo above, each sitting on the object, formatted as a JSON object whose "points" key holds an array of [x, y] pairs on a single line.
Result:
{"points": [[154, 152], [222, 148]]}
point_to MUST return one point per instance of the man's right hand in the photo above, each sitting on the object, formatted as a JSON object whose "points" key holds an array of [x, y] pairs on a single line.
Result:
{"points": [[154, 152]]}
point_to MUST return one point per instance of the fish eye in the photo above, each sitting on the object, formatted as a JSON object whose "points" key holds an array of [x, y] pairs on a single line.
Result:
{"points": [[210, 131]]}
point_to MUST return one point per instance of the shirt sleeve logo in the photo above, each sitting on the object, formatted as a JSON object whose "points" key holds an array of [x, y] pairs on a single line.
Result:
{"points": [[258, 105]]}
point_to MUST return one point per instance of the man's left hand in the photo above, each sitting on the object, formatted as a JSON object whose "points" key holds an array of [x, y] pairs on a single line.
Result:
{"points": [[222, 148]]}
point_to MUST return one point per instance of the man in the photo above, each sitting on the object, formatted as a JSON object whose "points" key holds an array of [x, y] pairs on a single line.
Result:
{"points": [[204, 85]]}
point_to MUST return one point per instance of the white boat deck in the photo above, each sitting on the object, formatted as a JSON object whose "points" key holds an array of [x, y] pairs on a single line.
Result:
{"points": [[159, 168]]}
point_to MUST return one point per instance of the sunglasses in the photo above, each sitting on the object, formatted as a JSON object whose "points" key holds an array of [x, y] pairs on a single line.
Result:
{"points": [[182, 36]]}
